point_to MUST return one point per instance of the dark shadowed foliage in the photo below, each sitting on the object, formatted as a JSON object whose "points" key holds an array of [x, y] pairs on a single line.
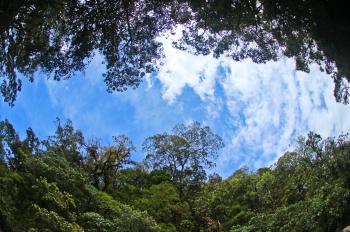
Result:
{"points": [[59, 38]]}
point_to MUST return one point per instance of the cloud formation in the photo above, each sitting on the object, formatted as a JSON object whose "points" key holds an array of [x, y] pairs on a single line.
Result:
{"points": [[268, 105]]}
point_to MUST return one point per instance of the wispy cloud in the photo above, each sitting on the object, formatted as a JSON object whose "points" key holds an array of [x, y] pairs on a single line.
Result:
{"points": [[269, 104]]}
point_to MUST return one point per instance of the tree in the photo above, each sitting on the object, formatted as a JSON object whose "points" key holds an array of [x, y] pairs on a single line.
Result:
{"points": [[12, 149], [8, 138], [61, 37], [184, 154], [309, 32], [228, 202], [104, 163], [31, 144], [307, 190], [67, 141], [163, 203], [48, 193]]}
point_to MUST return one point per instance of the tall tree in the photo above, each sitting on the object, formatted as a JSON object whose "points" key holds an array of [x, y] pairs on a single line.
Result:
{"points": [[184, 154], [67, 141], [8, 136], [104, 163], [11, 149]]}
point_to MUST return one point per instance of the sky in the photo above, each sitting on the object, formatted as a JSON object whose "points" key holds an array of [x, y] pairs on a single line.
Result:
{"points": [[258, 109]]}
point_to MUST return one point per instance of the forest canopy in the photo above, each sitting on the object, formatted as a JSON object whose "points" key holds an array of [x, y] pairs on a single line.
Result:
{"points": [[66, 183], [60, 38]]}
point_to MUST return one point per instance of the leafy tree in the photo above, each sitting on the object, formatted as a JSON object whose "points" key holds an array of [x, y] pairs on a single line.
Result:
{"points": [[132, 182], [104, 163], [309, 32], [61, 37], [228, 202], [162, 201], [67, 141], [184, 154], [8, 138], [31, 144], [12, 149], [53, 196], [47, 193], [309, 189]]}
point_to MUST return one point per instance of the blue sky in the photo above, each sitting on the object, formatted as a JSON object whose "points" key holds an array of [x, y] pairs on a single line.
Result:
{"points": [[259, 110]]}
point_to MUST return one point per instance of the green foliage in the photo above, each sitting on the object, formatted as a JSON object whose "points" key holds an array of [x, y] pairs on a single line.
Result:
{"points": [[67, 141], [9, 140], [51, 194], [46, 220], [307, 31], [56, 196], [229, 202], [60, 38], [104, 163], [163, 203], [309, 189], [184, 154], [40, 190], [114, 216]]}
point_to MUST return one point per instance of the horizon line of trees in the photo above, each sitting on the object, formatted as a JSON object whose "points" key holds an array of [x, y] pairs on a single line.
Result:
{"points": [[65, 183]]}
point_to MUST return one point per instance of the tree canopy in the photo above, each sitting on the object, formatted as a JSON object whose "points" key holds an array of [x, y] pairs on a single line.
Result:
{"points": [[184, 154], [59, 38], [46, 192], [42, 189]]}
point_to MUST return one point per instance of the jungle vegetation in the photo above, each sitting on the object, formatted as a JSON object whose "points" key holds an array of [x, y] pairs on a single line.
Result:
{"points": [[66, 183]]}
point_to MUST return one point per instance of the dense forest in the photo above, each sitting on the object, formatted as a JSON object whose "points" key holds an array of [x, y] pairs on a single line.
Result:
{"points": [[66, 183], [69, 183]]}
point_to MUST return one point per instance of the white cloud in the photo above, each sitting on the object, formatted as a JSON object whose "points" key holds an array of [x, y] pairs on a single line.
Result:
{"points": [[269, 104], [184, 69]]}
